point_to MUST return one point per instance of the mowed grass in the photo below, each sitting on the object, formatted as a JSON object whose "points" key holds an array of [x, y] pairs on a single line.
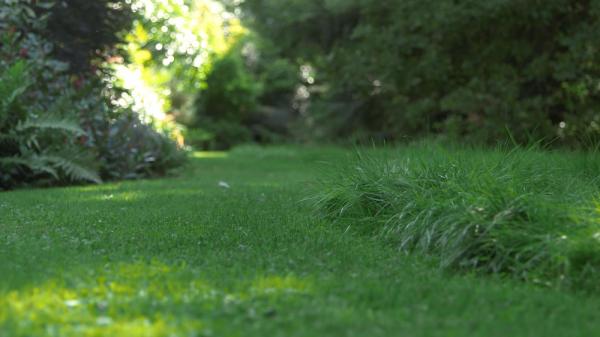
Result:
{"points": [[186, 257]]}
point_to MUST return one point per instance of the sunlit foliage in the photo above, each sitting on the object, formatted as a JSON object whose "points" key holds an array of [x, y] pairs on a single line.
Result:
{"points": [[172, 46]]}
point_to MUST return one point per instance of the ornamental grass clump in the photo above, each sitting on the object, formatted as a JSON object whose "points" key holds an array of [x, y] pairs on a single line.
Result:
{"points": [[526, 213]]}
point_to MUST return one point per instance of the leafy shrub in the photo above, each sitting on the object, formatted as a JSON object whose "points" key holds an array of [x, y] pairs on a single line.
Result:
{"points": [[231, 92], [131, 149], [59, 128], [228, 102], [522, 213]]}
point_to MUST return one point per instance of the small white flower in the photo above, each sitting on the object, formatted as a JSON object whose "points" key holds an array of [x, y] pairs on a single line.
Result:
{"points": [[224, 184]]}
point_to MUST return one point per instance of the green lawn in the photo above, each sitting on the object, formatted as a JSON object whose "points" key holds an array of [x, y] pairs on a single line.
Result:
{"points": [[186, 257]]}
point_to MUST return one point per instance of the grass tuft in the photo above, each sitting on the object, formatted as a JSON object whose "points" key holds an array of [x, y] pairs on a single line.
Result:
{"points": [[527, 213]]}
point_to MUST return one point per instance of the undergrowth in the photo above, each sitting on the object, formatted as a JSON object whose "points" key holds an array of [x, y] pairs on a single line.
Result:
{"points": [[526, 213]]}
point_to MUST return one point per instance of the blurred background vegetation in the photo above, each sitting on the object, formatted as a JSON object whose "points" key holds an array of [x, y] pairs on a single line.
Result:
{"points": [[363, 70], [117, 89]]}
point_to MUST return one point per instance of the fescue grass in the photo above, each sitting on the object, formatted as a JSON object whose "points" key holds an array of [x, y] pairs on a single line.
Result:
{"points": [[527, 213], [186, 257]]}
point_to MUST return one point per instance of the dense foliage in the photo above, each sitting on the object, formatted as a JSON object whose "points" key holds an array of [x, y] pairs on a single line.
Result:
{"points": [[62, 128], [469, 69], [266, 70]]}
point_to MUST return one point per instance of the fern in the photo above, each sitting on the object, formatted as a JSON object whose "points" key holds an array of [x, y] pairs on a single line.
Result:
{"points": [[54, 164], [50, 122], [13, 83], [34, 163], [25, 148], [53, 118], [74, 170]]}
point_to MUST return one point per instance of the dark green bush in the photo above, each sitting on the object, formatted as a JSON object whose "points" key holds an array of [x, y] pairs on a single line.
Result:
{"points": [[231, 92], [218, 135], [466, 69], [278, 75], [228, 102], [85, 32], [248, 96]]}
